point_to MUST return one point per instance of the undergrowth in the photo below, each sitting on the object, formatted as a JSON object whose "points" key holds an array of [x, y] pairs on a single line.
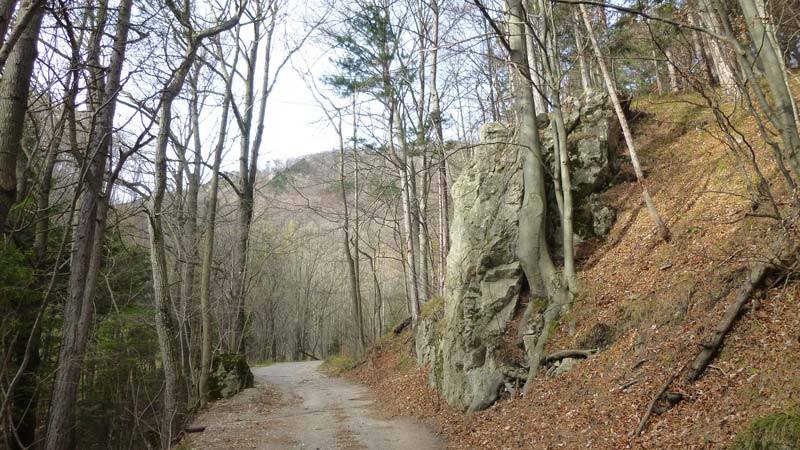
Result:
{"points": [[336, 365], [778, 431]]}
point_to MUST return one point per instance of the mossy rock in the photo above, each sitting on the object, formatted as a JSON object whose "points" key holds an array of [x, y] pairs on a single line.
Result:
{"points": [[230, 374], [433, 308], [778, 431]]}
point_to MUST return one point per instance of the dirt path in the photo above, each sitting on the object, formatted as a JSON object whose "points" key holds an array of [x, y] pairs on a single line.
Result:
{"points": [[294, 406]]}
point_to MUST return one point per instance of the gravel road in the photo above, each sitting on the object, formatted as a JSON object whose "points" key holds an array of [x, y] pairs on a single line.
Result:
{"points": [[294, 406]]}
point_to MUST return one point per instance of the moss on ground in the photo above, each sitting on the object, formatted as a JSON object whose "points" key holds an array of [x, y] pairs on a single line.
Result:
{"points": [[336, 365], [778, 431]]}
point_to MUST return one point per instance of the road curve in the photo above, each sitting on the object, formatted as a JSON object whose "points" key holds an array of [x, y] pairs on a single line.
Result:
{"points": [[294, 406]]}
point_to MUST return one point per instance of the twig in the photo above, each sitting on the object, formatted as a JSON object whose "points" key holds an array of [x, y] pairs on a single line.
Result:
{"points": [[658, 395]]}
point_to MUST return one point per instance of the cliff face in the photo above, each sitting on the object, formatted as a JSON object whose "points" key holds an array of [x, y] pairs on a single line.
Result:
{"points": [[472, 345]]}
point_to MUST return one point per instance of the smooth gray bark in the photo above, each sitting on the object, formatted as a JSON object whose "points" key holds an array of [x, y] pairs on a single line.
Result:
{"points": [[661, 227]]}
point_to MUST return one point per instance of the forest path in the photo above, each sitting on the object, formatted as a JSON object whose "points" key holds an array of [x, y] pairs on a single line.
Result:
{"points": [[295, 406]]}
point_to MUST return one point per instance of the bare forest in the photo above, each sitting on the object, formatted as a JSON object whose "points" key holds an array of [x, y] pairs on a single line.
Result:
{"points": [[494, 176]]}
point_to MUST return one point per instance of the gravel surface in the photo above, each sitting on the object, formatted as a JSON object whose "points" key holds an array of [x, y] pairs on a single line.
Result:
{"points": [[294, 406]]}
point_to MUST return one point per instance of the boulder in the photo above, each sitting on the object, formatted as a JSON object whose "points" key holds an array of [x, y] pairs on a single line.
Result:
{"points": [[484, 277], [469, 345], [230, 374]]}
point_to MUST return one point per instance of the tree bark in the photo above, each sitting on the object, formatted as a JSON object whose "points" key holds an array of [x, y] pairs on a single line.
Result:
{"points": [[89, 232], [351, 265], [441, 173], [725, 75], [6, 14], [580, 48], [674, 83], [544, 280], [657, 74], [208, 252], [785, 109], [700, 50], [754, 278], [14, 86]]}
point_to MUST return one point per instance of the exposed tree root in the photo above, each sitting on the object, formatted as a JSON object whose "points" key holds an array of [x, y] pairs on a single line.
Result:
{"points": [[655, 399], [757, 274], [563, 354], [785, 256]]}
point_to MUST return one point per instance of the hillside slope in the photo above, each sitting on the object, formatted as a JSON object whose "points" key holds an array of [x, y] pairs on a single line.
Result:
{"points": [[648, 306]]}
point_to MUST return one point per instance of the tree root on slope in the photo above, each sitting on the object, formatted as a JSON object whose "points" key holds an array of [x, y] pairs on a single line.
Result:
{"points": [[757, 274], [785, 259]]}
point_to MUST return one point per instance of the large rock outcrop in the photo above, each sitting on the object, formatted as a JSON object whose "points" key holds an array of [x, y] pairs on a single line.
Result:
{"points": [[593, 134], [468, 343], [484, 277]]}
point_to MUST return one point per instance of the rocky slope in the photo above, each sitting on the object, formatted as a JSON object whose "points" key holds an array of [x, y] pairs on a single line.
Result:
{"points": [[648, 306]]}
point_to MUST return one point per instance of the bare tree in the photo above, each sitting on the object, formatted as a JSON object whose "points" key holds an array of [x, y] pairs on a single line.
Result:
{"points": [[661, 227], [90, 229]]}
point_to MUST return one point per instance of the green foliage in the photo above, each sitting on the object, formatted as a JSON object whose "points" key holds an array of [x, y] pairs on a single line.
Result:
{"points": [[301, 166], [18, 294], [778, 431], [120, 375], [336, 365], [433, 306], [539, 305], [335, 347], [368, 45], [279, 182]]}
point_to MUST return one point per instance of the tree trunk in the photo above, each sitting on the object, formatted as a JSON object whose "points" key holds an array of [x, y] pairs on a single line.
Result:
{"points": [[190, 236], [404, 173], [663, 231], [6, 14], [544, 280], [700, 50], [89, 233], [14, 86], [725, 75], [165, 322], [561, 169], [208, 253], [580, 48], [763, 37], [674, 83], [351, 265], [657, 74], [441, 173]]}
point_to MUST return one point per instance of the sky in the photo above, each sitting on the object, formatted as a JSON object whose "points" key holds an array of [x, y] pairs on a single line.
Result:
{"points": [[295, 124]]}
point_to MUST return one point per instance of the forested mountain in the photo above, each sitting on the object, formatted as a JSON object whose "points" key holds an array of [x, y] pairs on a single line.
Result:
{"points": [[526, 198]]}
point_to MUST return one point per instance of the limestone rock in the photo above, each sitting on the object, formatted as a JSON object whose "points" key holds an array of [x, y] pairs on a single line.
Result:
{"points": [[484, 277], [466, 344], [603, 217], [561, 367], [230, 374], [593, 134]]}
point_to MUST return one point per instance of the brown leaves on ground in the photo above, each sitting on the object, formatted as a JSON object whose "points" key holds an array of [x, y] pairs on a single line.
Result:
{"points": [[662, 300]]}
